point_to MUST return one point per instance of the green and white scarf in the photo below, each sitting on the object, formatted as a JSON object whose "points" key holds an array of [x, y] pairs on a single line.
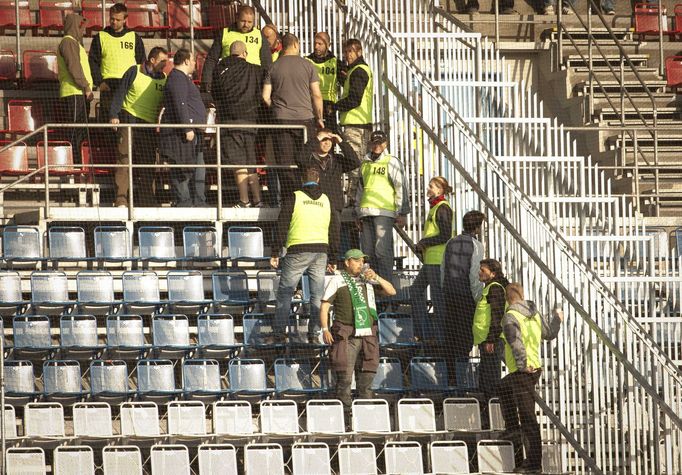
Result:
{"points": [[364, 311]]}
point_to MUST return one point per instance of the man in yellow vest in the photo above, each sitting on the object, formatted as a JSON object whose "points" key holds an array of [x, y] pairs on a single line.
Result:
{"points": [[75, 81], [355, 106], [304, 229], [328, 68], [112, 51], [274, 40], [257, 46], [137, 101], [523, 331], [381, 201]]}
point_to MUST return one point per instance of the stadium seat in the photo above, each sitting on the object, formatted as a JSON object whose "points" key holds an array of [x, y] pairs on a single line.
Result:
{"points": [[247, 377], [21, 244], [109, 380], [92, 419], [461, 414], [66, 243], [62, 380], [95, 289], [44, 419], [125, 336], [186, 291], [389, 377], [39, 68], [32, 336], [232, 418], [19, 382], [144, 16], [14, 160], [200, 243], [267, 282], [215, 334], [403, 457], [58, 156], [186, 418], [416, 415], [156, 243], [170, 336], [49, 292], [295, 377], [677, 21], [495, 414], [170, 460], [230, 289], [8, 18], [25, 460], [264, 459], [140, 419], [647, 20], [179, 17], [95, 156], [78, 334], [371, 415], [201, 378], [92, 12], [10, 416], [156, 379], [112, 244], [140, 292], [51, 14], [279, 417], [258, 331], [325, 416], [122, 460], [429, 375], [222, 16], [495, 456], [23, 116], [8, 62], [217, 459], [310, 458], [357, 457], [449, 456], [396, 331], [245, 244], [74, 459], [11, 299], [673, 71]]}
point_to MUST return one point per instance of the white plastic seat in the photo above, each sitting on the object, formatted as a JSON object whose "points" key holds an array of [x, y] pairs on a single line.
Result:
{"points": [[21, 243], [200, 242], [263, 459], [279, 417], [325, 416], [245, 243], [247, 376], [170, 460], [95, 291], [295, 376], [389, 376], [66, 243], [156, 378], [495, 414], [416, 415], [112, 243], [215, 332], [74, 460], [186, 418], [32, 334], [44, 419], [462, 414], [125, 331], [449, 457], [122, 460], [49, 292], [232, 418], [217, 459], [92, 419], [201, 377], [310, 458], [185, 286], [171, 331], [140, 419], [62, 378], [78, 333], [404, 458], [495, 456], [156, 242], [109, 378], [25, 461], [140, 291], [19, 380], [11, 299], [10, 422], [357, 458], [371, 415]]}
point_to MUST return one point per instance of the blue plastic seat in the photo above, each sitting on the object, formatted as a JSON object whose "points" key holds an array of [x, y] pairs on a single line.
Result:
{"points": [[32, 336], [201, 378], [113, 244], [125, 336], [230, 289], [259, 332], [248, 377], [186, 291], [19, 382], [389, 377], [109, 379], [49, 292], [95, 292], [200, 243], [295, 377], [156, 379], [215, 335], [156, 243], [11, 299], [22, 244], [78, 334], [429, 375], [141, 292], [245, 244], [62, 380], [396, 331], [170, 333], [67, 244]]}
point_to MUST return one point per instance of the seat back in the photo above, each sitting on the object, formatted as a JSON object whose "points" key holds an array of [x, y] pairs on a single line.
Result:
{"points": [[108, 376], [155, 375], [396, 328], [122, 460], [95, 155], [495, 456], [8, 65], [51, 13], [185, 286], [357, 457], [404, 457], [416, 415], [78, 330], [10, 287], [92, 12], [14, 160], [74, 459], [495, 414], [40, 66], [8, 17], [112, 242], [139, 419], [646, 18], [32, 332], [62, 377], [264, 458], [247, 374], [428, 373], [230, 286], [179, 15], [58, 156], [95, 286], [140, 286], [292, 373], [20, 460], [389, 375], [461, 414], [278, 417], [44, 419], [449, 456], [217, 459], [125, 330], [325, 416], [310, 458], [170, 330], [186, 418], [22, 242], [92, 419], [245, 242], [215, 329], [267, 282], [673, 71], [156, 242], [371, 415], [222, 16], [10, 417], [143, 15], [257, 327], [200, 241], [49, 286], [66, 242], [232, 417], [201, 375], [19, 377], [170, 459], [23, 115]]}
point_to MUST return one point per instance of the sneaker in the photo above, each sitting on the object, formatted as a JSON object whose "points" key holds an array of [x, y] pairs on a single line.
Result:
{"points": [[121, 202], [567, 11], [610, 12], [258, 205], [507, 11], [241, 204], [549, 10]]}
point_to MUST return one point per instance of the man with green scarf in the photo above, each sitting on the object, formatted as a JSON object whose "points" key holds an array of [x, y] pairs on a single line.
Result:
{"points": [[353, 334]]}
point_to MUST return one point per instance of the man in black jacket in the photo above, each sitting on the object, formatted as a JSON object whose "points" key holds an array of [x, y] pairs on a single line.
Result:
{"points": [[318, 153], [183, 105], [237, 86]]}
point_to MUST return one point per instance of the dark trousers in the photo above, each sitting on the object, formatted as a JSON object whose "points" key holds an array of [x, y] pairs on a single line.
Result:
{"points": [[363, 381], [503, 4], [189, 184], [288, 144], [457, 322], [74, 110], [330, 120], [145, 142], [517, 391], [489, 370]]}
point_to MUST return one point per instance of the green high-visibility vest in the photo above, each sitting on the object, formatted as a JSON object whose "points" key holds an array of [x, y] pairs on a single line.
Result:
{"points": [[531, 336], [362, 114], [327, 73], [378, 191], [143, 99], [310, 220], [118, 54], [483, 315], [252, 40], [434, 254], [67, 86]]}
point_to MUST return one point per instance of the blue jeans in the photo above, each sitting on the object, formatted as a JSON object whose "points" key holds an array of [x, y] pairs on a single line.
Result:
{"points": [[293, 267], [377, 242], [425, 324]]}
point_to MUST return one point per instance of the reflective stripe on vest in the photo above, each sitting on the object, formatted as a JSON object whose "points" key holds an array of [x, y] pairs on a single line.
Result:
{"points": [[309, 221], [143, 99], [252, 40], [483, 315], [362, 114], [67, 86], [434, 254], [531, 336], [118, 54], [378, 191], [327, 73]]}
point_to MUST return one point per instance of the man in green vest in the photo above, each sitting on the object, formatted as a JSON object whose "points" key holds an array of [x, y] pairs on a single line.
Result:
{"points": [[355, 106], [328, 68], [523, 331], [304, 229], [380, 203], [112, 51], [257, 46], [137, 100], [75, 82]]}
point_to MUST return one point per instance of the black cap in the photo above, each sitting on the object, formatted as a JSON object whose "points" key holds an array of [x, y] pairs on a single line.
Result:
{"points": [[378, 136]]}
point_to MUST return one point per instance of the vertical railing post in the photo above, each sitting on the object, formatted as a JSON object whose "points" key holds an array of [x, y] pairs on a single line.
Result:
{"points": [[661, 65], [47, 173], [131, 198], [590, 40], [219, 170], [560, 42], [191, 26], [17, 39], [497, 22], [3, 441]]}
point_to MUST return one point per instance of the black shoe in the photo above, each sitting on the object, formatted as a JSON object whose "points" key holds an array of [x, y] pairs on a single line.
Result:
{"points": [[471, 10], [528, 469], [507, 11], [512, 435]]}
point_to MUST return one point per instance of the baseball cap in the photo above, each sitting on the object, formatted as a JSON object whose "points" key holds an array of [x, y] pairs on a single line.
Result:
{"points": [[354, 254], [378, 136]]}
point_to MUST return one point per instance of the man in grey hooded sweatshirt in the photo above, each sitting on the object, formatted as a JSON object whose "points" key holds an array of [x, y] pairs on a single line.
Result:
{"points": [[523, 329]]}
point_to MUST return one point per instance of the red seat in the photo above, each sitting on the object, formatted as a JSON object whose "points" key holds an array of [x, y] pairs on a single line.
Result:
{"points": [[8, 66], [14, 159], [59, 158], [646, 20], [144, 15], [98, 154], [8, 18], [673, 71], [92, 11], [40, 66], [179, 17], [23, 116], [222, 16], [51, 14]]}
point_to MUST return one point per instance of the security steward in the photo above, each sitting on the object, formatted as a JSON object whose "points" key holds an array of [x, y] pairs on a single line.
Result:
{"points": [[112, 52], [328, 68], [137, 101], [257, 46], [523, 331]]}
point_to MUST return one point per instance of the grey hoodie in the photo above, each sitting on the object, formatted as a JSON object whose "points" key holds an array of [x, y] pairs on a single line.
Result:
{"points": [[512, 329]]}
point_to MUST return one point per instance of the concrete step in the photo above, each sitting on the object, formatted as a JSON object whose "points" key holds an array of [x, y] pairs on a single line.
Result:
{"points": [[576, 61], [607, 113], [613, 87], [599, 34]]}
